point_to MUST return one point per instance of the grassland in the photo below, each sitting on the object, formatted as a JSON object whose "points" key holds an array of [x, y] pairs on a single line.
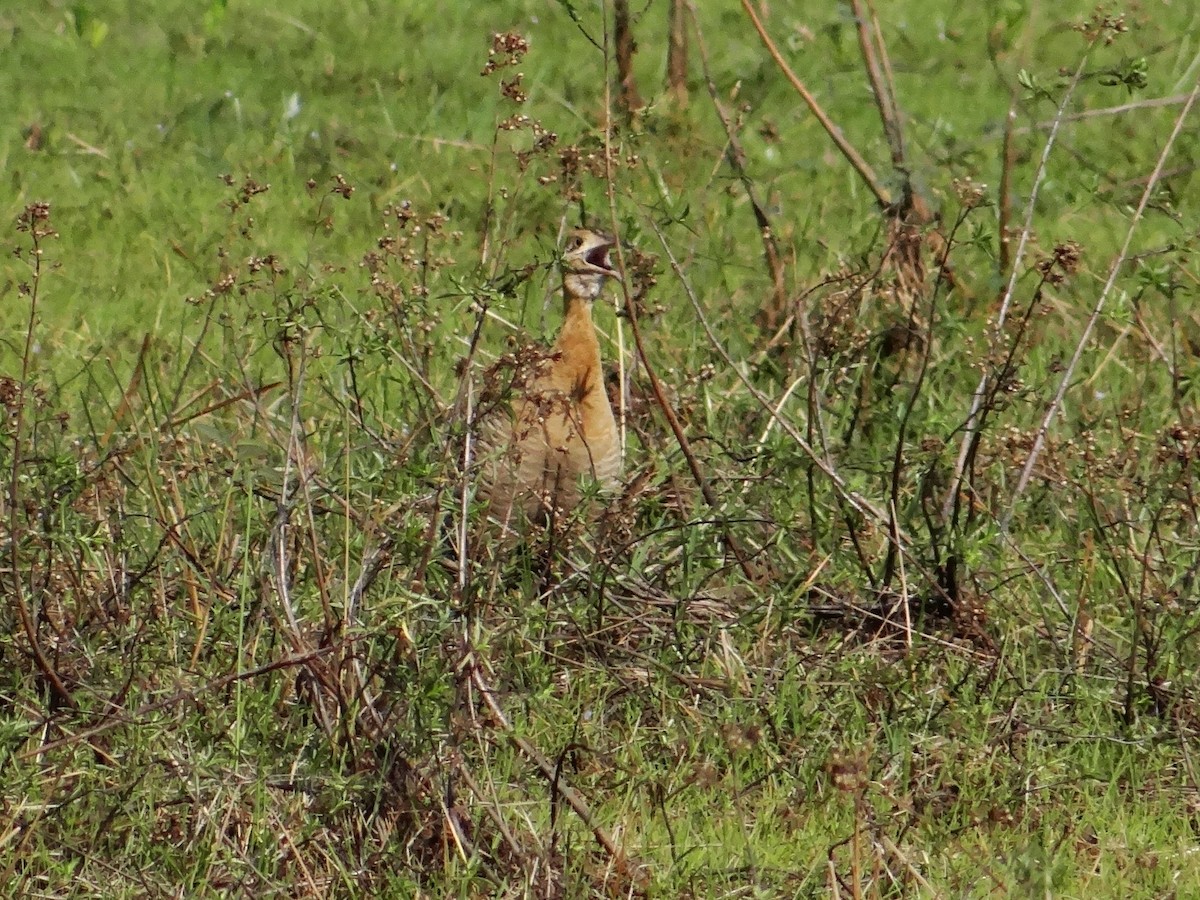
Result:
{"points": [[841, 637]]}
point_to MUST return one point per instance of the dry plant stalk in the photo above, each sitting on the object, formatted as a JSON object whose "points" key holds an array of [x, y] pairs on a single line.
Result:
{"points": [[35, 221], [629, 97], [1113, 272], [908, 214], [736, 157], [856, 160], [870, 43], [973, 429], [677, 52]]}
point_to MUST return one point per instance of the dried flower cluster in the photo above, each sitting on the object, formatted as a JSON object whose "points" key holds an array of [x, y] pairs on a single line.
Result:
{"points": [[1102, 25], [1060, 264], [508, 49], [971, 194], [248, 189], [409, 242], [35, 219], [575, 161]]}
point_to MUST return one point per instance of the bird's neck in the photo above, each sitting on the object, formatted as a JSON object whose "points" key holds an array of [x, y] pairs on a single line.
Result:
{"points": [[577, 342], [577, 321]]}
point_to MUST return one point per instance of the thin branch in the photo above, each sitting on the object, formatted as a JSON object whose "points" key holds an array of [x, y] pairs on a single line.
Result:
{"points": [[552, 774], [1114, 270], [911, 403], [860, 165], [885, 100], [610, 194], [276, 552], [35, 220], [1152, 103], [677, 52], [974, 424], [1008, 161], [889, 77], [736, 157], [685, 445], [631, 99]]}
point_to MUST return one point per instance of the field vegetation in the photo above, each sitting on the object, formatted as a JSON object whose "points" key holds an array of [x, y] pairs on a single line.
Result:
{"points": [[899, 600]]}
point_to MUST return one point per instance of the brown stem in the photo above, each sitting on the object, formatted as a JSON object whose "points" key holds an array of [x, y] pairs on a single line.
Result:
{"points": [[736, 156], [1004, 201], [971, 426], [38, 228], [677, 52], [630, 100], [885, 100], [889, 77], [893, 559], [860, 165]]}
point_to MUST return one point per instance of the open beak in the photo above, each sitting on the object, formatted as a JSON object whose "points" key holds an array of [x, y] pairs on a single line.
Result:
{"points": [[599, 261]]}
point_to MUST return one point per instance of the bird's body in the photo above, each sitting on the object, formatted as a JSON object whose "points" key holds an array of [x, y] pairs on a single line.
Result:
{"points": [[561, 433]]}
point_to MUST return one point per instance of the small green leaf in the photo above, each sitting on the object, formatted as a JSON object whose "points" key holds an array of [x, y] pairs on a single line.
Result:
{"points": [[569, 9], [214, 16], [97, 32]]}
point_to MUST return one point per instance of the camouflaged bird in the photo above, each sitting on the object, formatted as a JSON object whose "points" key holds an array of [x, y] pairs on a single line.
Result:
{"points": [[561, 432]]}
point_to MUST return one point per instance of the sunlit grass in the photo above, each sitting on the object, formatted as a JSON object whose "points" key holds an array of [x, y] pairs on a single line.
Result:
{"points": [[232, 483]]}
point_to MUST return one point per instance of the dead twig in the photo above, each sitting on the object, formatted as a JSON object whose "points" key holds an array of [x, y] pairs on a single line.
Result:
{"points": [[552, 774], [852, 498], [870, 43], [36, 221], [1069, 372], [677, 52], [1120, 109], [973, 428], [736, 157], [1008, 161], [860, 165], [630, 99]]}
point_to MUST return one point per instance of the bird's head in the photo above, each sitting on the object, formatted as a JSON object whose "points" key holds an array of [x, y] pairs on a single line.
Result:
{"points": [[586, 263]]}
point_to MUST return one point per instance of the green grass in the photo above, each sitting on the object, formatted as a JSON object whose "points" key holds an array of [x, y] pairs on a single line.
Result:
{"points": [[275, 233]]}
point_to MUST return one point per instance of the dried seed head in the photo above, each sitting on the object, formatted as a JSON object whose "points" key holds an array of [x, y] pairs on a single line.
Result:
{"points": [[508, 49], [1102, 25], [1061, 263], [35, 219], [849, 772], [971, 194]]}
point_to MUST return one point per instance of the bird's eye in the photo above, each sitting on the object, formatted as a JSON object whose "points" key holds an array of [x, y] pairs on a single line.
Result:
{"points": [[575, 243]]}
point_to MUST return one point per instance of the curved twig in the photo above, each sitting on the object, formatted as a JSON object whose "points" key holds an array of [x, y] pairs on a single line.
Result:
{"points": [[552, 774]]}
